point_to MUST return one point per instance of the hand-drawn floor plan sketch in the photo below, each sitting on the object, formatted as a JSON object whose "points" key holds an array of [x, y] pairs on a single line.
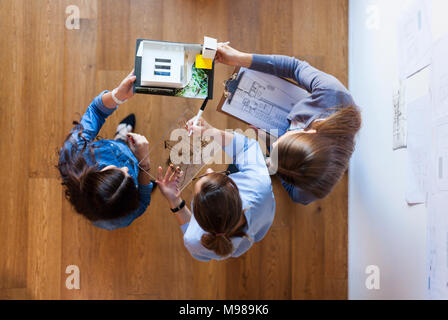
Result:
{"points": [[263, 100]]}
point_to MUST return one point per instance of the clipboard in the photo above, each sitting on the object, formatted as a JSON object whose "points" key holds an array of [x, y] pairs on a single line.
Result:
{"points": [[224, 96], [232, 84]]}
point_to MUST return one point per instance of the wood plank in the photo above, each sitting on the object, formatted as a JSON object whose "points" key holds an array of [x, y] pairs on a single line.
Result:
{"points": [[210, 280], [148, 20], [79, 70], [14, 294], [273, 32], [336, 232], [337, 51], [43, 93], [308, 252], [243, 25], [100, 255], [115, 50], [44, 238], [244, 274], [14, 151], [335, 289], [275, 265], [310, 32]]}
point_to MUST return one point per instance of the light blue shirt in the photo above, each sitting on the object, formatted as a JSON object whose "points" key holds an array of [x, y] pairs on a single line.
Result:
{"points": [[255, 187]]}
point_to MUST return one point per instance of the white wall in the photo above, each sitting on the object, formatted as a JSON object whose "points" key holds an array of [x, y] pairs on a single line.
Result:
{"points": [[383, 229]]}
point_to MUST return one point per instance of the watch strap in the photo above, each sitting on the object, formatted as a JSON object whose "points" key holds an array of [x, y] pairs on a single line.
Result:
{"points": [[179, 207]]}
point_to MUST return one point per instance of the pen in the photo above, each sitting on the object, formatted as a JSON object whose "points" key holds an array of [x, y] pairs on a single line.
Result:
{"points": [[201, 110]]}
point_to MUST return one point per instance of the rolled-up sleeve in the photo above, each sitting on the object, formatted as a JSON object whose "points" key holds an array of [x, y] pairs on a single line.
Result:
{"points": [[300, 71], [144, 194], [184, 227], [297, 195], [95, 116]]}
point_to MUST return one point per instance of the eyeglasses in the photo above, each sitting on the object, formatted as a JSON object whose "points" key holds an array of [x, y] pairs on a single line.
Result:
{"points": [[226, 172]]}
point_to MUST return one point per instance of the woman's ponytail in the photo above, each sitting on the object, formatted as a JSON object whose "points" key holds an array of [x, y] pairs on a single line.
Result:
{"points": [[220, 244]]}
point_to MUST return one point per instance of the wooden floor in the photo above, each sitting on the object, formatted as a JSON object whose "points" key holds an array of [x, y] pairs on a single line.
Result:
{"points": [[48, 76]]}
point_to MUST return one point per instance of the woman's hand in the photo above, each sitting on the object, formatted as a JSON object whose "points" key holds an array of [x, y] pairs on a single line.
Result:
{"points": [[221, 137], [139, 146], [232, 57], [169, 184], [125, 90], [200, 126]]}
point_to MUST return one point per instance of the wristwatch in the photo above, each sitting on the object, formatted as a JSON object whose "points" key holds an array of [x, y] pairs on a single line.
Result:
{"points": [[179, 207]]}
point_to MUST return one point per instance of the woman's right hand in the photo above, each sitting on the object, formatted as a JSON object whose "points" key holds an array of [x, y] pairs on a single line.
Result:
{"points": [[125, 88], [200, 126], [232, 57], [139, 146]]}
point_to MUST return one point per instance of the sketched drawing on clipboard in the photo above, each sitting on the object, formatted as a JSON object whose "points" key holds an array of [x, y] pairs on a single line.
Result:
{"points": [[263, 100]]}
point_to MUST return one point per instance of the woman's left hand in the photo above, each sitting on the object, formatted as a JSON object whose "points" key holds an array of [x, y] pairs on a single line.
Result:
{"points": [[125, 90]]}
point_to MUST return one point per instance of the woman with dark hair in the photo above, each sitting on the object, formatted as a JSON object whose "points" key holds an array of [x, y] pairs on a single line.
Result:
{"points": [[315, 152], [230, 211], [105, 180]]}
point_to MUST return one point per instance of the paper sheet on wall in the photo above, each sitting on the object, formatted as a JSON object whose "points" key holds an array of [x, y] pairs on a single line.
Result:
{"points": [[399, 127], [419, 133], [264, 100], [415, 38], [440, 158], [439, 20], [439, 81], [437, 243], [437, 263], [438, 200]]}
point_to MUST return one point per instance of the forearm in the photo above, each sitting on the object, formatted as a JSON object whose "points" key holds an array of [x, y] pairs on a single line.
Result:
{"points": [[108, 102], [183, 216], [143, 177], [143, 174], [244, 60]]}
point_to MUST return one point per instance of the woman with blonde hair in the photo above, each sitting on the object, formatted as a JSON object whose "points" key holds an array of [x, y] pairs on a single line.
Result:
{"points": [[314, 153]]}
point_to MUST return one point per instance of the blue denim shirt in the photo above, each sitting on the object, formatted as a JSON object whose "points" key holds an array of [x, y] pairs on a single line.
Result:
{"points": [[108, 152]]}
